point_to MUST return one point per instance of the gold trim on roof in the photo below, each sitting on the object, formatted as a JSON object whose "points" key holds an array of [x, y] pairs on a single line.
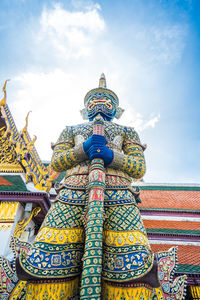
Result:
{"points": [[8, 211], [3, 101], [21, 225], [8, 156], [26, 125], [19, 153], [195, 291], [6, 226]]}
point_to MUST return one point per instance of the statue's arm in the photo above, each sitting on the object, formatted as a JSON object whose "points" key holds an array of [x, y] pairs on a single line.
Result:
{"points": [[132, 159], [65, 154]]}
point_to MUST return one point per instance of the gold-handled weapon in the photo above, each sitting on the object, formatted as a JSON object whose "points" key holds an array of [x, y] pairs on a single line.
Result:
{"points": [[92, 259]]}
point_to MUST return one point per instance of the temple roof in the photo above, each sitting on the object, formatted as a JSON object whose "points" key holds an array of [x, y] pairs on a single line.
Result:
{"points": [[188, 257], [171, 197], [12, 183], [171, 216], [18, 153]]}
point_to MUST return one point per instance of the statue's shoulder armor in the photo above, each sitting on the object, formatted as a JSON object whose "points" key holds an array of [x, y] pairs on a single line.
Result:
{"points": [[84, 129], [65, 137], [65, 134], [112, 130], [131, 134]]}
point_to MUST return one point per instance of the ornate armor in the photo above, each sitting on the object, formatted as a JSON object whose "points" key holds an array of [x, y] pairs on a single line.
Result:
{"points": [[58, 249]]}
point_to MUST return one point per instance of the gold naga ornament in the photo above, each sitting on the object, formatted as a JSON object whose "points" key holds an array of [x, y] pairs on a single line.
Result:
{"points": [[19, 154]]}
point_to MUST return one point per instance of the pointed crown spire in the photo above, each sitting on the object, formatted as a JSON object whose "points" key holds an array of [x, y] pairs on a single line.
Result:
{"points": [[102, 89], [102, 81], [101, 92]]}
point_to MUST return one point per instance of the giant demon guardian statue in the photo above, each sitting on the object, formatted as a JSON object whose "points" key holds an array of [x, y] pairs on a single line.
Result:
{"points": [[93, 239]]}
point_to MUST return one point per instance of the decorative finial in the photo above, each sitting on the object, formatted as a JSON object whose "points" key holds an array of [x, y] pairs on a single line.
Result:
{"points": [[3, 101], [102, 81], [30, 145], [25, 127]]}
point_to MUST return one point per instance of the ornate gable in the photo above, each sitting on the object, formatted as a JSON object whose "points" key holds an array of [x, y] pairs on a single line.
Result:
{"points": [[18, 153], [8, 155]]}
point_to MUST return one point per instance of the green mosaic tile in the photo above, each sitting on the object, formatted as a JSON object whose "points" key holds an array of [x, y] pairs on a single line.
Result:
{"points": [[170, 188], [18, 184], [188, 269], [173, 231]]}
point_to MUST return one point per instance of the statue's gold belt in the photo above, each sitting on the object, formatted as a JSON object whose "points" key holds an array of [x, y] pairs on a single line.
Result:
{"points": [[81, 182], [118, 191]]}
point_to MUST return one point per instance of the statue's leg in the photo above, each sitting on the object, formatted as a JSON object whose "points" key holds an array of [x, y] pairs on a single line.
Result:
{"points": [[56, 254], [127, 255]]}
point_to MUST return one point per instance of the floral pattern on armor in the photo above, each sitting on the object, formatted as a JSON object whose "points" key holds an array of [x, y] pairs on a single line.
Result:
{"points": [[126, 263], [121, 139]]}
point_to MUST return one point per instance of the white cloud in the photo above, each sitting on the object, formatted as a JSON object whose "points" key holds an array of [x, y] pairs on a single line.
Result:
{"points": [[66, 51], [54, 100], [55, 97], [168, 43], [56, 94], [149, 123], [71, 34], [164, 44], [138, 120]]}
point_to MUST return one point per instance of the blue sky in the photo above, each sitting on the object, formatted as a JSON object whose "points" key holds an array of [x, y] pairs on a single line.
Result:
{"points": [[55, 51]]}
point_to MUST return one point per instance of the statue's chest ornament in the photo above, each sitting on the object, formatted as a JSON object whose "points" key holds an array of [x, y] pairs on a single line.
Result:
{"points": [[114, 135], [116, 143], [81, 133]]}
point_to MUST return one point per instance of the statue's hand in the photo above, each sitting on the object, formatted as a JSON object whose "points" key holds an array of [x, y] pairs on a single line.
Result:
{"points": [[95, 139], [101, 151]]}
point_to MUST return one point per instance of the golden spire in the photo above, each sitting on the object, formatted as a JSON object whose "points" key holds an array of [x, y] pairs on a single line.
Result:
{"points": [[102, 81], [3, 101]]}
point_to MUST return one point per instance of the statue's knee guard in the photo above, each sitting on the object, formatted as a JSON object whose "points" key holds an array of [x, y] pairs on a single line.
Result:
{"points": [[127, 254], [57, 250]]}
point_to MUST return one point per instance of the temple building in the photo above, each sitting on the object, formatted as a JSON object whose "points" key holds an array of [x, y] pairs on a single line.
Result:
{"points": [[170, 212], [171, 215]]}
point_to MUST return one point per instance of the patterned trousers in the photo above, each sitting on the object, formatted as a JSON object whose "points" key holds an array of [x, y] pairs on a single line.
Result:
{"points": [[59, 246]]}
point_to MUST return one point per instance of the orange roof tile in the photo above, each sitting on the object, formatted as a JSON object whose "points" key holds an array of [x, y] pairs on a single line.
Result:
{"points": [[159, 224], [187, 254], [3, 181], [170, 199]]}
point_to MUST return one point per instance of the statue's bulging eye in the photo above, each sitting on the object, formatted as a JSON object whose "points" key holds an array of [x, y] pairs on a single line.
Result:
{"points": [[90, 106], [108, 105], [107, 102]]}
